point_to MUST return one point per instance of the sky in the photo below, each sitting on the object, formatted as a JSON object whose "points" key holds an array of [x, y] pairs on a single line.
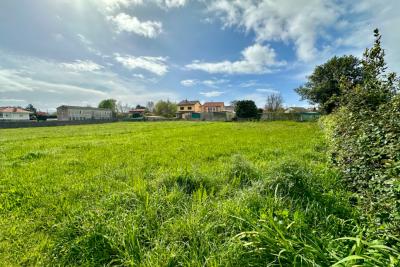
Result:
{"points": [[78, 52]]}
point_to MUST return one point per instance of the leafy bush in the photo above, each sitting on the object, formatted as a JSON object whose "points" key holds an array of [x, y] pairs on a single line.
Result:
{"points": [[365, 140], [246, 109]]}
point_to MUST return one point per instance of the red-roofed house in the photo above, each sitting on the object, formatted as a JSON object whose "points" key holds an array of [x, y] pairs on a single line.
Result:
{"points": [[13, 114], [213, 107]]}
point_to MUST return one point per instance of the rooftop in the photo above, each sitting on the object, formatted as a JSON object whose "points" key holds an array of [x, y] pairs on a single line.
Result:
{"points": [[13, 110], [187, 102], [214, 104], [85, 108]]}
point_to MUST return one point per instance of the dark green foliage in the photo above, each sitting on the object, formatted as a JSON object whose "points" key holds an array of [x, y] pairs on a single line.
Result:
{"points": [[109, 104], [323, 85], [165, 108], [246, 109], [365, 135]]}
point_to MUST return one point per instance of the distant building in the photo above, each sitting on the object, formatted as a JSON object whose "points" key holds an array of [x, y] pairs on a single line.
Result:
{"points": [[137, 112], [213, 107], [229, 109], [189, 106], [74, 113], [295, 109], [14, 114], [189, 109]]}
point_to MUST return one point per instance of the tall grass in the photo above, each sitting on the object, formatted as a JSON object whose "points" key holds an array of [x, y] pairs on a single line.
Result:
{"points": [[178, 194]]}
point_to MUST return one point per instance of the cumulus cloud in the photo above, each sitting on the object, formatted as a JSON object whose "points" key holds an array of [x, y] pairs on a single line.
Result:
{"points": [[299, 22], [156, 65], [82, 65], [212, 93], [47, 85], [124, 22], [256, 59]]}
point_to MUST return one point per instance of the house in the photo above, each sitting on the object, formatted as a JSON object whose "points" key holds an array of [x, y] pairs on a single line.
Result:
{"points": [[229, 109], [14, 114], [73, 113], [189, 109], [189, 106], [295, 109], [213, 106], [137, 111]]}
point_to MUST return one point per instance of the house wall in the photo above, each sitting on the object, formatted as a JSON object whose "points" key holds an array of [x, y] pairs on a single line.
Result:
{"points": [[72, 114], [213, 109], [14, 116], [190, 108]]}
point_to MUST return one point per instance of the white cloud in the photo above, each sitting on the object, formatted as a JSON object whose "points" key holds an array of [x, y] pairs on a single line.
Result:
{"points": [[267, 90], [112, 5], [156, 65], [89, 45], [212, 93], [189, 83], [256, 59], [15, 81], [299, 22], [47, 85], [11, 100], [214, 83], [82, 65], [173, 3], [139, 76], [124, 22]]}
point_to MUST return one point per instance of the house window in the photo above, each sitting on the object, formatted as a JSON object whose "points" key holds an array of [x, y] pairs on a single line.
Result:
{"points": [[189, 108], [182, 108]]}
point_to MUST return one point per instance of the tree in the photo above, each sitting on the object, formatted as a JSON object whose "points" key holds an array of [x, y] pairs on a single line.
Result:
{"points": [[33, 111], [31, 108], [150, 106], [323, 85], [122, 108], [274, 103], [109, 104], [246, 109], [140, 107], [165, 108]]}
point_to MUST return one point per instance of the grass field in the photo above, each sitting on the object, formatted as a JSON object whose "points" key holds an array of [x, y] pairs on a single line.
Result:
{"points": [[168, 194]]}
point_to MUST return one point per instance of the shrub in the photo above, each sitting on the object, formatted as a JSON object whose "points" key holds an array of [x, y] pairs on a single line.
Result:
{"points": [[365, 140]]}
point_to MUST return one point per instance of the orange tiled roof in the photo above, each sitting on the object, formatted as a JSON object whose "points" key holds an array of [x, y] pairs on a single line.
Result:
{"points": [[13, 109], [214, 104]]}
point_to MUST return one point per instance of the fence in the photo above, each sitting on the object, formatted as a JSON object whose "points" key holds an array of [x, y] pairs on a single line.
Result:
{"points": [[27, 124], [298, 116]]}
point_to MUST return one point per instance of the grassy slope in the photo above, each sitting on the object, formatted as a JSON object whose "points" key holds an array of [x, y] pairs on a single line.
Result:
{"points": [[167, 194]]}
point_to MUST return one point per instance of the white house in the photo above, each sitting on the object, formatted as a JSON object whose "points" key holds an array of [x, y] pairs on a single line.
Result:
{"points": [[74, 113], [14, 114]]}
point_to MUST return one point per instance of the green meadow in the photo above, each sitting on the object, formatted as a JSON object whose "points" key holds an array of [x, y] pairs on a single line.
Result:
{"points": [[174, 194]]}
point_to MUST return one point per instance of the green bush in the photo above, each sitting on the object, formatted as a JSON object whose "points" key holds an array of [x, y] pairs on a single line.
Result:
{"points": [[365, 141]]}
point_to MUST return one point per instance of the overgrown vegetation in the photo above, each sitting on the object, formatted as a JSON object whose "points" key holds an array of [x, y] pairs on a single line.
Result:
{"points": [[178, 194], [365, 142]]}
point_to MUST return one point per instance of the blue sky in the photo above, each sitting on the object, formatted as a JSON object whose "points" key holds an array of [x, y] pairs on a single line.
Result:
{"points": [[77, 52]]}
